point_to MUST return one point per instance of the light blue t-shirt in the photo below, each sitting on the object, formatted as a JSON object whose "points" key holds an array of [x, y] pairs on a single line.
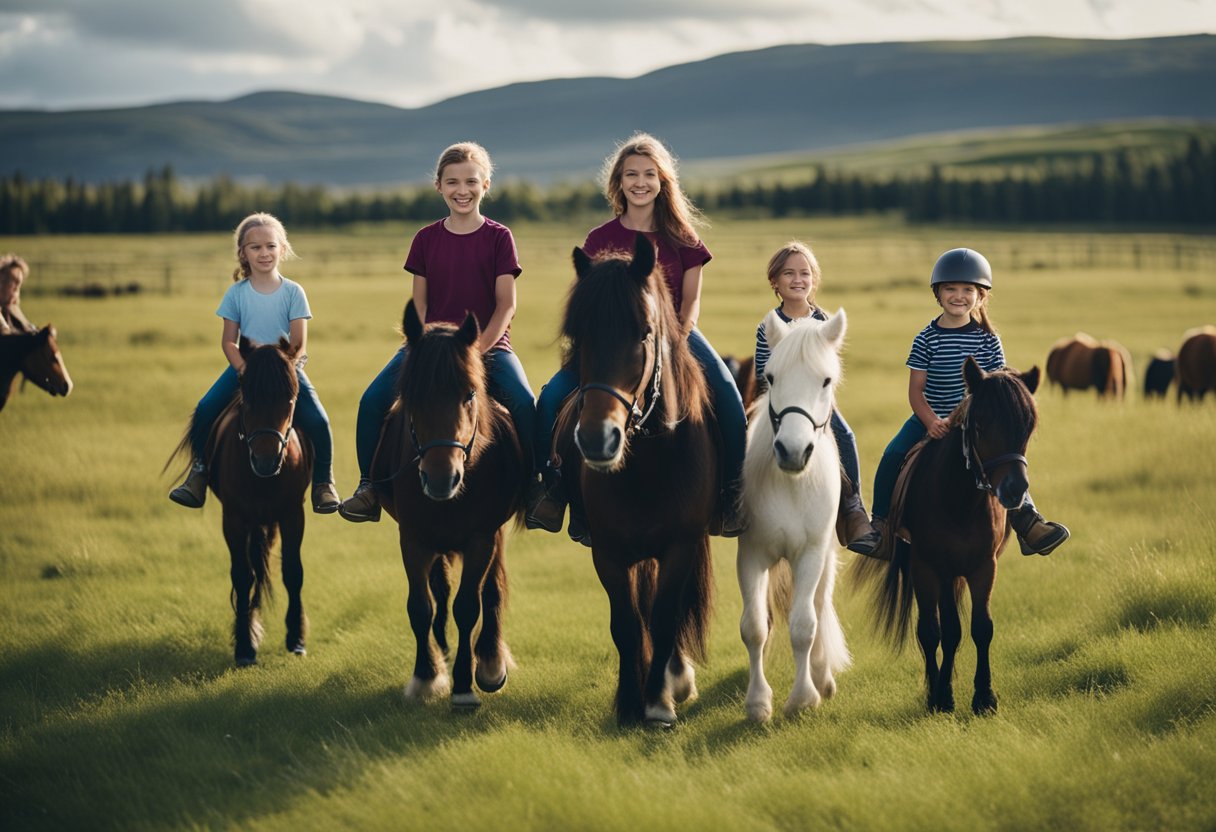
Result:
{"points": [[264, 319]]}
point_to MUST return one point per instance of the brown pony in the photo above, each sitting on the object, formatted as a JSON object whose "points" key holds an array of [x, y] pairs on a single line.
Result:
{"points": [[1081, 362], [1196, 366], [953, 510], [37, 358], [259, 470], [743, 371], [639, 449], [450, 471]]}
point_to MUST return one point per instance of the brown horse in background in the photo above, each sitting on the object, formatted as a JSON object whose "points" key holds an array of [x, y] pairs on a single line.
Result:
{"points": [[1196, 368], [259, 469], [1082, 362], [743, 371], [639, 449], [37, 358], [450, 470], [952, 507], [1159, 374]]}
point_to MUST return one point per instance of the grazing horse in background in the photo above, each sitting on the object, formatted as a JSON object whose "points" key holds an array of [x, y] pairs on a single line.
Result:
{"points": [[1196, 367], [37, 358], [791, 491], [259, 470], [951, 503], [450, 470], [639, 449], [1081, 362], [1159, 374]]}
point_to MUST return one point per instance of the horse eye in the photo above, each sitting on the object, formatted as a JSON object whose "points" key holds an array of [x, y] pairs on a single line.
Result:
{"points": [[827, 381], [768, 377]]}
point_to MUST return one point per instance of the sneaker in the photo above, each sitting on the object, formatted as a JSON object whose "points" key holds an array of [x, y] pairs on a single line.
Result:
{"points": [[325, 499], [363, 506], [546, 506], [193, 492], [1036, 536]]}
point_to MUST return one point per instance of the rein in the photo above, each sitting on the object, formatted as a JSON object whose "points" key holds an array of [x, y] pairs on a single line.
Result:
{"points": [[284, 440], [978, 467], [635, 423]]}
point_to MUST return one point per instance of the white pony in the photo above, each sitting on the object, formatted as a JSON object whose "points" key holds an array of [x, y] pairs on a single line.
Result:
{"points": [[791, 490]]}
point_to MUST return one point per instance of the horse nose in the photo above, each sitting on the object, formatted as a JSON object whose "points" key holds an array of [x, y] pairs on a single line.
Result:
{"points": [[790, 460], [1011, 491], [265, 465], [440, 488], [601, 445]]}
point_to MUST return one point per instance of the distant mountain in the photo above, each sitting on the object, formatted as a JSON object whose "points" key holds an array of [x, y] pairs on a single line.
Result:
{"points": [[778, 100]]}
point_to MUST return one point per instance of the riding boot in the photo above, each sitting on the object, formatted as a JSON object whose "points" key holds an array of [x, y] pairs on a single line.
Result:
{"points": [[325, 499], [193, 492], [363, 506], [730, 521], [1036, 536], [546, 504], [860, 535]]}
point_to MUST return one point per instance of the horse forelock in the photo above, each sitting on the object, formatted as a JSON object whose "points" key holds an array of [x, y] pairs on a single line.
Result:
{"points": [[269, 377], [440, 368], [1003, 402], [805, 347]]}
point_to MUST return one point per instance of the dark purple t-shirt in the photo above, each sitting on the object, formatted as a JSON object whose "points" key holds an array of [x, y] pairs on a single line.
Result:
{"points": [[461, 270], [613, 236]]}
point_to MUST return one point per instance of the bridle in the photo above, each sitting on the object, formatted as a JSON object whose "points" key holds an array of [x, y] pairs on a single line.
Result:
{"points": [[284, 439], [979, 468], [775, 417], [636, 421], [467, 448]]}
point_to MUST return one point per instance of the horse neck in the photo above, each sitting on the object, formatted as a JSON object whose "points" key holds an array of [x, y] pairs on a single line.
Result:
{"points": [[951, 476]]}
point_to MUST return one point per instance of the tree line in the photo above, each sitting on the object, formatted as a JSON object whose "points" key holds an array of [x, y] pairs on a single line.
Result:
{"points": [[1099, 187]]}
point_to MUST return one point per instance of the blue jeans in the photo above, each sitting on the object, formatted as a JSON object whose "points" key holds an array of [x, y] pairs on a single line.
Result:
{"points": [[310, 418], [846, 443], [504, 376], [892, 460], [728, 405]]}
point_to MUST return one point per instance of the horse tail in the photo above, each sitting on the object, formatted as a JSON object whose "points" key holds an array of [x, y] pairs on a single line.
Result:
{"points": [[697, 604], [892, 583], [184, 448], [836, 650]]}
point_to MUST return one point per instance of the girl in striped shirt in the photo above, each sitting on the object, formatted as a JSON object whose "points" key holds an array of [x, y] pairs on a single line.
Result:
{"points": [[961, 281]]}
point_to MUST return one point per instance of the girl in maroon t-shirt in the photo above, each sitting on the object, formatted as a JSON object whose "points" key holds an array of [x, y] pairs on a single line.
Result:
{"points": [[643, 189], [462, 263]]}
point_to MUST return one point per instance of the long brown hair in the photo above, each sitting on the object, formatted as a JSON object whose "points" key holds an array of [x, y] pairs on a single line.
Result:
{"points": [[675, 216]]}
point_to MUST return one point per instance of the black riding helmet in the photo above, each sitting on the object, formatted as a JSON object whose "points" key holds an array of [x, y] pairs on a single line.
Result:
{"points": [[962, 265]]}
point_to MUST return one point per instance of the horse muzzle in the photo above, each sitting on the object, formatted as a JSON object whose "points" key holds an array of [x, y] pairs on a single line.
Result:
{"points": [[602, 444], [1012, 489], [442, 484], [792, 460]]}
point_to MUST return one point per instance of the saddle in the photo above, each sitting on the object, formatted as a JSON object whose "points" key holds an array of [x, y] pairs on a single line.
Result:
{"points": [[894, 529]]}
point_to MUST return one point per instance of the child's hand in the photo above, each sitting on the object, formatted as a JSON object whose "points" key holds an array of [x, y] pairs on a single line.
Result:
{"points": [[939, 428]]}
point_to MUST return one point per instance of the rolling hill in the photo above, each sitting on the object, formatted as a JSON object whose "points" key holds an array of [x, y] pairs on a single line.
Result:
{"points": [[781, 100]]}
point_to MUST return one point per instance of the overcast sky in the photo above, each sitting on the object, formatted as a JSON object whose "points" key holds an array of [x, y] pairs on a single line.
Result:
{"points": [[66, 54]]}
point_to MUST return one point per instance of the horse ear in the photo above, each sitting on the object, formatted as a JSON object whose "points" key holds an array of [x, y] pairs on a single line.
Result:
{"points": [[835, 328], [643, 258], [582, 263], [469, 330], [411, 324], [244, 346], [1031, 378], [287, 349], [774, 329], [972, 374], [46, 333]]}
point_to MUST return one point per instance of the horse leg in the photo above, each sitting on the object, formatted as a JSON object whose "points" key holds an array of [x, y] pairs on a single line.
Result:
{"points": [[244, 635], [984, 701], [441, 591], [430, 679], [952, 636], [928, 627], [829, 652], [804, 626], [754, 627], [466, 610], [665, 618], [493, 656], [626, 627], [291, 528]]}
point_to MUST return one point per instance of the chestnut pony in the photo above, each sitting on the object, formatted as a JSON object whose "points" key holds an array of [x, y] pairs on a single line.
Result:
{"points": [[450, 471], [953, 510], [260, 468], [1196, 368], [1081, 362], [639, 448], [37, 358]]}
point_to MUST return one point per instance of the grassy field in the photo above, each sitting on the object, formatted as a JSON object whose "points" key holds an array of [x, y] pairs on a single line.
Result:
{"points": [[121, 708]]}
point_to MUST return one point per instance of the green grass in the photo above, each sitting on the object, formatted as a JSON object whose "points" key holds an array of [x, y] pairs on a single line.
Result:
{"points": [[119, 707]]}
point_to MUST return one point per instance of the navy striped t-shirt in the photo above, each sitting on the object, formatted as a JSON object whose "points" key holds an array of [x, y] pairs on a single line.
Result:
{"points": [[941, 353]]}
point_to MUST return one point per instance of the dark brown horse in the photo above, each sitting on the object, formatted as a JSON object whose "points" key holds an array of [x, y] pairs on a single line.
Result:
{"points": [[743, 371], [1159, 374], [1196, 367], [958, 490], [640, 452], [260, 469], [37, 358], [450, 471], [1081, 362]]}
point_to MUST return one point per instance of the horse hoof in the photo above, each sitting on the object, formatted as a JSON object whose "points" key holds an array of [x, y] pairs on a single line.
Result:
{"points": [[426, 689], [297, 649], [465, 701], [760, 712], [660, 716], [246, 661], [984, 704], [493, 687]]}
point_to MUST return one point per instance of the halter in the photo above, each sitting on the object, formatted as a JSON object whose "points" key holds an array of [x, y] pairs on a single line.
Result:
{"points": [[978, 467], [775, 417], [420, 450], [637, 417], [284, 440]]}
